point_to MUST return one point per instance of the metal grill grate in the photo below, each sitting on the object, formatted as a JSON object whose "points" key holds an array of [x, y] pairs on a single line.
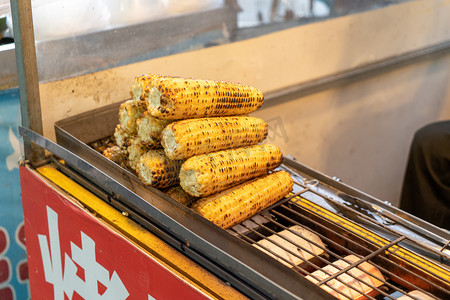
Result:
{"points": [[345, 229]]}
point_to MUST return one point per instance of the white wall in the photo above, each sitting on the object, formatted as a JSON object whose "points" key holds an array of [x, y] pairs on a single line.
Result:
{"points": [[361, 132]]}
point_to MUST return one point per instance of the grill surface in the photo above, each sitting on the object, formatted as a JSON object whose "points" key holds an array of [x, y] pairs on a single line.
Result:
{"points": [[410, 253], [402, 269]]}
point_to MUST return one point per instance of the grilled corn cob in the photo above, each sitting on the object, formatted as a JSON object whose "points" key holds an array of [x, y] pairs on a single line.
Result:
{"points": [[156, 169], [186, 138], [149, 129], [210, 173], [140, 87], [245, 201], [122, 138], [135, 150], [180, 195], [181, 98], [116, 154], [129, 112]]}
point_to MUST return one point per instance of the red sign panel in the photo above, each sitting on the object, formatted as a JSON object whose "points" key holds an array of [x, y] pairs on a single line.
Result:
{"points": [[72, 255]]}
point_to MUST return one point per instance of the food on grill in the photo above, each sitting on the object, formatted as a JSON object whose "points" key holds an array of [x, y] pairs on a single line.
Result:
{"points": [[140, 87], [355, 287], [186, 138], [135, 151], [102, 144], [122, 138], [180, 195], [288, 246], [181, 98], [129, 112], [116, 154], [207, 174], [416, 295], [240, 203], [149, 129], [156, 169]]}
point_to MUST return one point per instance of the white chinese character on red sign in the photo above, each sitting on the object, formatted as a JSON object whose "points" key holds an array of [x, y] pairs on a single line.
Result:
{"points": [[67, 281]]}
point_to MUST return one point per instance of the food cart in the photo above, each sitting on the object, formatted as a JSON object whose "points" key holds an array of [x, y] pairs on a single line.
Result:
{"points": [[93, 230]]}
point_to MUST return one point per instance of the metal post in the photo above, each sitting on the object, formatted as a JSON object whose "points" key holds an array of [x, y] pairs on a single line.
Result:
{"points": [[30, 104]]}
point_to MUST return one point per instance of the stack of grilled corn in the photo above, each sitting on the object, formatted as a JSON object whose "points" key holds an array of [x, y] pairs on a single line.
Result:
{"points": [[195, 133]]}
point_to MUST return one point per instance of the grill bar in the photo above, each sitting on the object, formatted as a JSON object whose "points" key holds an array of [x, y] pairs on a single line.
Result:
{"points": [[440, 253], [331, 276], [335, 255], [297, 268], [269, 250], [445, 246], [310, 183], [342, 207], [387, 247], [331, 242], [349, 240], [299, 246], [366, 258], [343, 237]]}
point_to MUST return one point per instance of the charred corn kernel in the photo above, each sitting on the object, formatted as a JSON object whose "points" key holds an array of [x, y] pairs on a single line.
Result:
{"points": [[121, 137], [116, 154], [149, 129], [140, 87], [129, 112], [207, 174], [180, 195], [186, 138], [181, 98], [156, 169], [135, 150], [240, 203]]}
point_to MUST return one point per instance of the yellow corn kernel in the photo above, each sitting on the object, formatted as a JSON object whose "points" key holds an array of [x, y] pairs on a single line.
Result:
{"points": [[140, 87], [149, 129], [181, 98], [238, 204], [207, 174], [177, 193], [129, 112], [156, 169], [116, 154], [135, 150], [186, 138], [121, 137]]}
